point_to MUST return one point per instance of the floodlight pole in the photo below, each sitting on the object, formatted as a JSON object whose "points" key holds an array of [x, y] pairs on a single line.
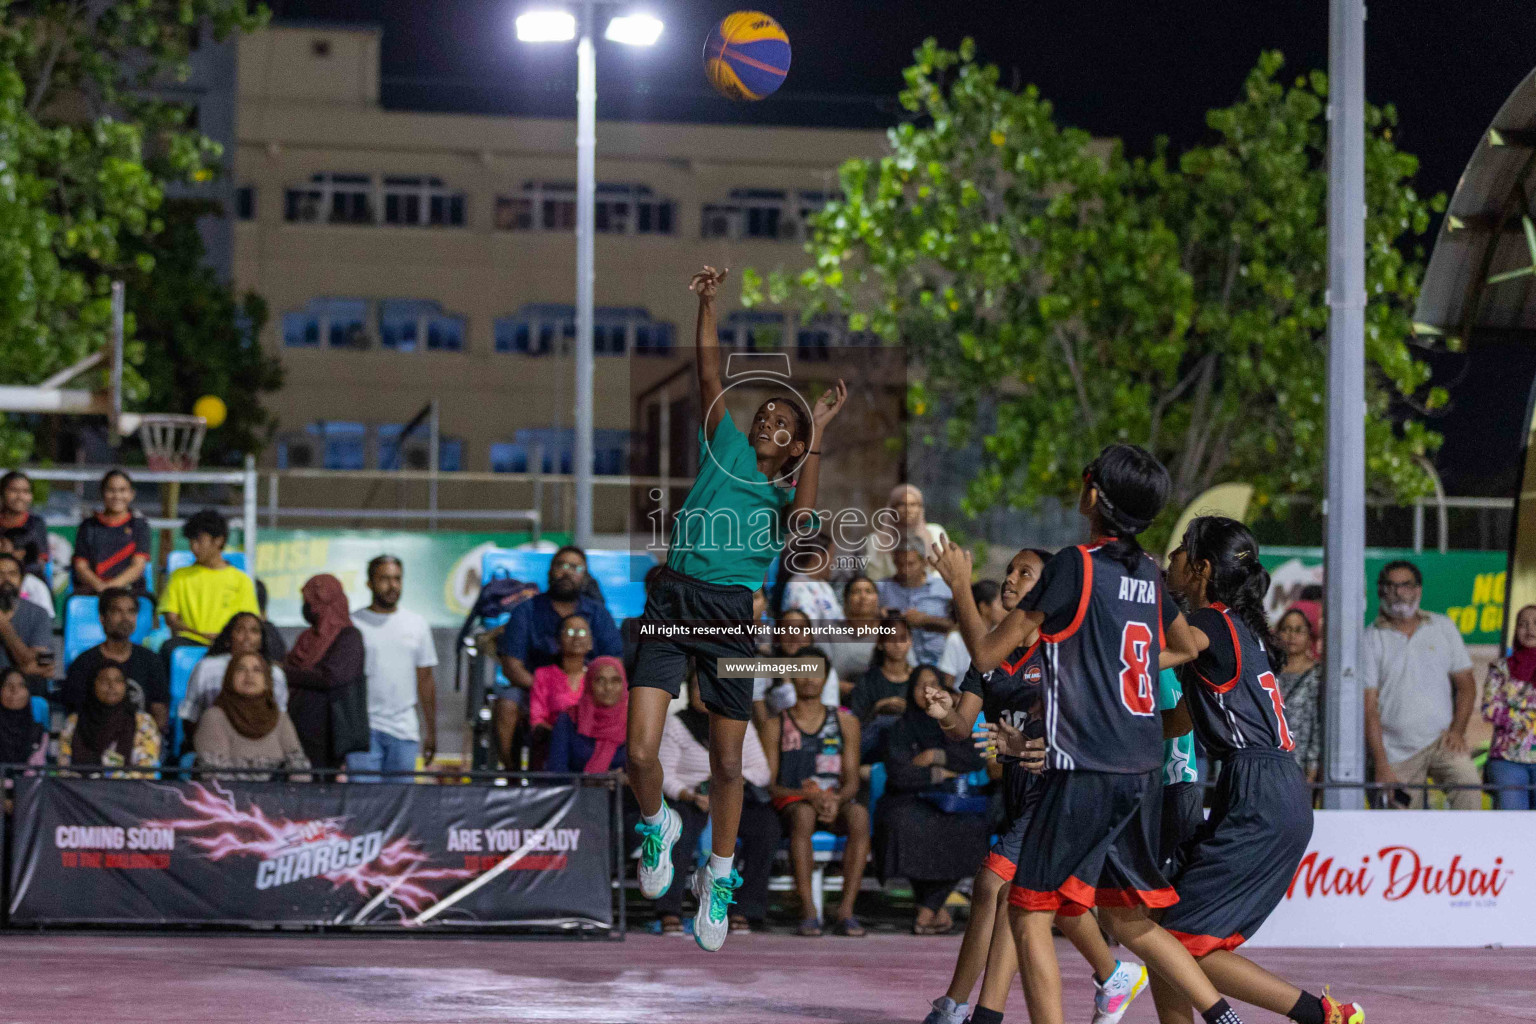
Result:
{"points": [[1344, 539], [586, 193]]}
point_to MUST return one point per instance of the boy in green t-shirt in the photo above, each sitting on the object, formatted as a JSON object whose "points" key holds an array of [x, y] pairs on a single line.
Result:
{"points": [[731, 526]]}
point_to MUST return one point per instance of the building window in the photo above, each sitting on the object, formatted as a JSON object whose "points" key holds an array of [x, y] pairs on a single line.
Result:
{"points": [[610, 451], [339, 323], [413, 453], [422, 201], [514, 213], [618, 209], [406, 324], [545, 329], [761, 213], [330, 444], [752, 331], [331, 199], [245, 202], [814, 341]]}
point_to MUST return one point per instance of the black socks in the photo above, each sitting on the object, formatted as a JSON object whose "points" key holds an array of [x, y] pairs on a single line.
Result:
{"points": [[982, 1015], [1308, 1010], [1221, 1013]]}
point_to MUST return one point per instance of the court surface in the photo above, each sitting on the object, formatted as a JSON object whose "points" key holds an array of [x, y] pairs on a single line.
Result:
{"points": [[762, 978]]}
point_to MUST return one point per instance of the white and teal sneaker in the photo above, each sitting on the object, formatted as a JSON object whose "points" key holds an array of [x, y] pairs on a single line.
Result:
{"points": [[715, 895], [947, 1011], [1114, 997], [656, 853]]}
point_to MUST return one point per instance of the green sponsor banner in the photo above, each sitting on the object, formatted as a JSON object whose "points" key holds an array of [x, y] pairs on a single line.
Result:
{"points": [[1466, 585]]}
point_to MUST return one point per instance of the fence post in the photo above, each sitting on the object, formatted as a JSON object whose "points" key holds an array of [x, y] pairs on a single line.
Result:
{"points": [[1418, 526]]}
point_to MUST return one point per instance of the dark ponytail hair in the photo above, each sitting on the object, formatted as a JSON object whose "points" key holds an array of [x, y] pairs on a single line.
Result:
{"points": [[1133, 487], [1238, 580]]}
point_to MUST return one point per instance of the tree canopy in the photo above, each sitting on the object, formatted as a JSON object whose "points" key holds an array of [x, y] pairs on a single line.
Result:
{"points": [[1078, 296]]}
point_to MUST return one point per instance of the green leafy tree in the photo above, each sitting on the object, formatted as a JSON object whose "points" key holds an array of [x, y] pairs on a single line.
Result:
{"points": [[200, 339], [1085, 297], [87, 148]]}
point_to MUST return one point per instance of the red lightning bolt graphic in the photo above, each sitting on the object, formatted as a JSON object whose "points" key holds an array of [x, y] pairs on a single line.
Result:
{"points": [[400, 867]]}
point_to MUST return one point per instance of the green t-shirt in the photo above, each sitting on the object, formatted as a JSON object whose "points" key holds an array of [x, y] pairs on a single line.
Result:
{"points": [[1179, 752], [731, 524]]}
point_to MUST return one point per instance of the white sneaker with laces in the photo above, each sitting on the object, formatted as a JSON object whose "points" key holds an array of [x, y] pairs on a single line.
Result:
{"points": [[655, 871], [947, 1011], [712, 922], [1114, 997]]}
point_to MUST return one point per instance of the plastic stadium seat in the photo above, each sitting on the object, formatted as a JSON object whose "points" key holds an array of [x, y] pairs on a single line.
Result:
{"points": [[527, 566], [183, 661], [181, 559], [42, 713], [82, 625]]}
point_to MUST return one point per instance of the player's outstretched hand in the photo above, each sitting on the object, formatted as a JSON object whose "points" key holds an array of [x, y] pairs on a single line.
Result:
{"points": [[829, 404], [941, 702], [985, 738], [953, 564], [708, 281]]}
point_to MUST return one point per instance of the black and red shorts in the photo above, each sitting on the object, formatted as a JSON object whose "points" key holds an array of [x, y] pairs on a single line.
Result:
{"points": [[1239, 866], [1021, 794], [1092, 842]]}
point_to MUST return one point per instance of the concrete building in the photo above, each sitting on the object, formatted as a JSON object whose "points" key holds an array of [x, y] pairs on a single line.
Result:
{"points": [[410, 256]]}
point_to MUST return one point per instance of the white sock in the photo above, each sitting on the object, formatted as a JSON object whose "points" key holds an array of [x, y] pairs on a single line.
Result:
{"points": [[657, 818], [720, 867]]}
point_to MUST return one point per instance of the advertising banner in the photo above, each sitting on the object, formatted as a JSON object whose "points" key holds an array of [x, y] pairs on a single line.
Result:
{"points": [[1411, 878], [105, 851], [1466, 585]]}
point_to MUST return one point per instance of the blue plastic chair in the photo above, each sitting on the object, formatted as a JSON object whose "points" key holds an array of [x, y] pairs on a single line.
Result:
{"points": [[181, 559], [183, 661], [42, 713], [82, 625]]}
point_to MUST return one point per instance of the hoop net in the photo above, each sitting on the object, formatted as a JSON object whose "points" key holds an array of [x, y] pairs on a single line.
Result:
{"points": [[172, 441]]}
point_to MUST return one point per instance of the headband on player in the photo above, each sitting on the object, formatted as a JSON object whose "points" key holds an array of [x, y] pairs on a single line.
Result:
{"points": [[1127, 524]]}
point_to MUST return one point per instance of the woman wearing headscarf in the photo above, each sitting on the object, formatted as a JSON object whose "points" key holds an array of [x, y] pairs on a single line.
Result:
{"points": [[1509, 702], [327, 691], [245, 728], [916, 837], [23, 740], [589, 738], [108, 731]]}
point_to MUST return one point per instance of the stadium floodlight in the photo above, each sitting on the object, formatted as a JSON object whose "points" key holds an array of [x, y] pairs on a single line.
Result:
{"points": [[634, 30], [546, 26]]}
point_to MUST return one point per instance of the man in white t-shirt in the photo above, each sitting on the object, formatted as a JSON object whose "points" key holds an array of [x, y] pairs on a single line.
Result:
{"points": [[402, 694]]}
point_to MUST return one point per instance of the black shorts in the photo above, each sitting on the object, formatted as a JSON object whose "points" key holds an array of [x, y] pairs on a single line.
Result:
{"points": [[662, 662], [1021, 794], [1183, 816], [1243, 859], [1092, 841]]}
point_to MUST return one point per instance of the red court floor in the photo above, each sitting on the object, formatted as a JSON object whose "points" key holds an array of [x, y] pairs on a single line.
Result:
{"points": [[756, 980]]}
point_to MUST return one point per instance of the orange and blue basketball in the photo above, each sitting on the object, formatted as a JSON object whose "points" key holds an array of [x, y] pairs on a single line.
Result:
{"points": [[746, 56]]}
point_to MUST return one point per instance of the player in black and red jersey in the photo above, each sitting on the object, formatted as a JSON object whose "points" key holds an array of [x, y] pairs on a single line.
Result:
{"points": [[1106, 626], [1238, 866], [1010, 695]]}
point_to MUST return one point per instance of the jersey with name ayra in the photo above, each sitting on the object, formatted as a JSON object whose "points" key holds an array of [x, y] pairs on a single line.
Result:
{"points": [[1010, 693], [1233, 695], [1101, 638]]}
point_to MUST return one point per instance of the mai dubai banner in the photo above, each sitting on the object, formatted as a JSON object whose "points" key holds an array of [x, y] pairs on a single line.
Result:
{"points": [[1468, 586]]}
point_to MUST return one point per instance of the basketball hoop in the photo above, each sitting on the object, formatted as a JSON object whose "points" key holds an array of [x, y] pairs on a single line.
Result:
{"points": [[172, 441]]}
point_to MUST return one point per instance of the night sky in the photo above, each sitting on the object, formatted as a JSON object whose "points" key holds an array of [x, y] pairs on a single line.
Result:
{"points": [[1132, 70]]}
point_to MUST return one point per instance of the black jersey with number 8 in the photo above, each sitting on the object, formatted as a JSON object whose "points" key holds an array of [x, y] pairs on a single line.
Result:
{"points": [[1101, 638], [1233, 695]]}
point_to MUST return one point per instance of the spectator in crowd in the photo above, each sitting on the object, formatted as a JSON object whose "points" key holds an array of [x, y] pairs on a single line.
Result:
{"points": [[107, 731], [34, 588], [148, 689], [813, 756], [880, 695], [16, 515], [1419, 693], [684, 756], [402, 690], [955, 659], [112, 547], [589, 738], [245, 729], [200, 599], [1509, 702], [903, 519], [916, 836], [791, 638], [530, 640], [241, 635], [1301, 686], [23, 740], [851, 657], [922, 597], [26, 631], [804, 577], [272, 643], [327, 689], [556, 688]]}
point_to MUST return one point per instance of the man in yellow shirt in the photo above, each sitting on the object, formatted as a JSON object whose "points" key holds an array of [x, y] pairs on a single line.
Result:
{"points": [[199, 599]]}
